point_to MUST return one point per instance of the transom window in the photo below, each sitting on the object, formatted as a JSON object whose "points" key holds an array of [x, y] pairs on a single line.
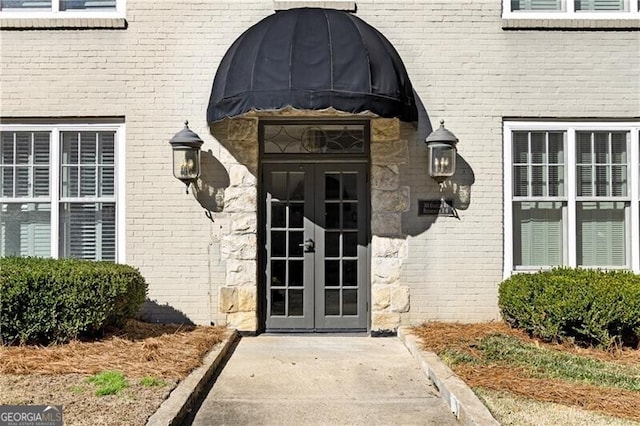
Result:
{"points": [[572, 195], [60, 194], [619, 9]]}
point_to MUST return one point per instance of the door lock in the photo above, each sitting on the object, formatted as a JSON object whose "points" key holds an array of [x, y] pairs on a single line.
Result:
{"points": [[309, 245]]}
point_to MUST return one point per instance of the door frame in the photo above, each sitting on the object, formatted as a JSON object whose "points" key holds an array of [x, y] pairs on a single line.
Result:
{"points": [[344, 158]]}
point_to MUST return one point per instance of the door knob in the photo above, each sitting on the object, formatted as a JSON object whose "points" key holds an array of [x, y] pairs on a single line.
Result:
{"points": [[308, 245]]}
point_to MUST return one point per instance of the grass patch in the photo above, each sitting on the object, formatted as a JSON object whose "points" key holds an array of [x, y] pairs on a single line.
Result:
{"points": [[108, 382], [544, 362], [152, 382]]}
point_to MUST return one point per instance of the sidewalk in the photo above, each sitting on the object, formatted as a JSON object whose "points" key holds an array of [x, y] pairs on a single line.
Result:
{"points": [[323, 380]]}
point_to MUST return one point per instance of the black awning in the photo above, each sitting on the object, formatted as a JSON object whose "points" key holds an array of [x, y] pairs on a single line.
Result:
{"points": [[311, 58]]}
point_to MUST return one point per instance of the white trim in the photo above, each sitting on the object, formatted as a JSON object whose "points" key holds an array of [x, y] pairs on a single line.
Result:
{"points": [[54, 185], [508, 203], [56, 13], [632, 199], [568, 12], [635, 198], [55, 198], [120, 192]]}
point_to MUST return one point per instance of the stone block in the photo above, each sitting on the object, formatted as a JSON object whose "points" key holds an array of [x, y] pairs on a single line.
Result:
{"points": [[244, 223], [394, 152], [240, 273], [386, 224], [386, 271], [243, 321], [227, 299], [385, 129], [390, 201], [385, 177], [240, 200], [240, 176], [389, 247], [241, 247], [400, 299], [242, 129], [385, 321], [380, 297], [247, 299]]}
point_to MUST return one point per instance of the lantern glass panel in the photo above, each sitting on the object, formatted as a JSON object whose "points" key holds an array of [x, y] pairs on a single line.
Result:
{"points": [[186, 163], [442, 160]]}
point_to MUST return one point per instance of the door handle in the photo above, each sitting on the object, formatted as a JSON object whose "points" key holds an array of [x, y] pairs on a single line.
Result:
{"points": [[309, 245]]}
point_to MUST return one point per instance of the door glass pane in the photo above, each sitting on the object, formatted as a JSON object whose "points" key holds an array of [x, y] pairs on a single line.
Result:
{"points": [[296, 273], [349, 273], [350, 302], [350, 244], [296, 215], [278, 302], [331, 273], [332, 186], [279, 185], [332, 218], [296, 302], [349, 186], [296, 186], [278, 215], [350, 216], [332, 244], [278, 271], [278, 243], [295, 243], [332, 302]]}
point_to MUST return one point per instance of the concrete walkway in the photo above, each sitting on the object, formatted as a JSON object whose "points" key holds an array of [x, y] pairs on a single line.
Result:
{"points": [[323, 380]]}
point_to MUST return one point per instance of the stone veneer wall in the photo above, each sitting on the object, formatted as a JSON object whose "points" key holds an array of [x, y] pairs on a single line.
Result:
{"points": [[389, 153]]}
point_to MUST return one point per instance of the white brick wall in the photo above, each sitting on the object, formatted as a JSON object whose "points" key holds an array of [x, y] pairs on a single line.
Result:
{"points": [[464, 67]]}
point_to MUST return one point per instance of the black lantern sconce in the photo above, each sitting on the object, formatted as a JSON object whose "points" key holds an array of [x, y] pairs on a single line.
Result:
{"points": [[441, 155], [186, 155]]}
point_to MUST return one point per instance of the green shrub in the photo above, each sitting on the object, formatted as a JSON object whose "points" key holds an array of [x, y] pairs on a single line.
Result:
{"points": [[584, 305], [55, 300]]}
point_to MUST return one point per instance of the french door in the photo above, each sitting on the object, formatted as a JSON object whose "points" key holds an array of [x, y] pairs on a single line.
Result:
{"points": [[316, 238]]}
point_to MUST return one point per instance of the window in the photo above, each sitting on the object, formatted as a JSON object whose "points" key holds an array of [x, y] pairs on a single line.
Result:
{"points": [[570, 9], [572, 195], [62, 8], [61, 191]]}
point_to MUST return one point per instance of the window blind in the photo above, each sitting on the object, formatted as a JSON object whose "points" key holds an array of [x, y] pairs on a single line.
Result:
{"points": [[601, 234], [88, 231], [538, 233], [87, 4], [599, 5], [25, 229], [539, 5], [25, 4]]}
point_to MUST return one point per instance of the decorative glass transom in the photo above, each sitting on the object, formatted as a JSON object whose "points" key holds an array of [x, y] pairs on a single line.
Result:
{"points": [[314, 138]]}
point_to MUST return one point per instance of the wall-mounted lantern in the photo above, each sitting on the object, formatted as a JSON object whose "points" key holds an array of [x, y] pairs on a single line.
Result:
{"points": [[441, 155], [186, 155]]}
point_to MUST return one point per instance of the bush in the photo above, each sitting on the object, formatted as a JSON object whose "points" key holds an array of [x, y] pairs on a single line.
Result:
{"points": [[589, 306], [56, 300]]}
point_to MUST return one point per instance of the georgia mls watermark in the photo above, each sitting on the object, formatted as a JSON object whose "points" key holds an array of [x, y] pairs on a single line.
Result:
{"points": [[30, 415]]}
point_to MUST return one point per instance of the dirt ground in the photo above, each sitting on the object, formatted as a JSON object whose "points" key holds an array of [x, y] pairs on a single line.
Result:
{"points": [[498, 379], [56, 375]]}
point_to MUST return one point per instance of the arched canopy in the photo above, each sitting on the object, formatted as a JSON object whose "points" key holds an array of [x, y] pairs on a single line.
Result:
{"points": [[311, 58]]}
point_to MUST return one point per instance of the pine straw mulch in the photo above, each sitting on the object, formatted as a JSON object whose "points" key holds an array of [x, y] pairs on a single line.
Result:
{"points": [[437, 337], [139, 349]]}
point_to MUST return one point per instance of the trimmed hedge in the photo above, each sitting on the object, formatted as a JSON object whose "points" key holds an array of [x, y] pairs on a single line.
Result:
{"points": [[56, 300], [600, 308]]}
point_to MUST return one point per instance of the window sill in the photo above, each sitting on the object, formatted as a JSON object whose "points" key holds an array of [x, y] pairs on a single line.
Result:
{"points": [[581, 24], [85, 23]]}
